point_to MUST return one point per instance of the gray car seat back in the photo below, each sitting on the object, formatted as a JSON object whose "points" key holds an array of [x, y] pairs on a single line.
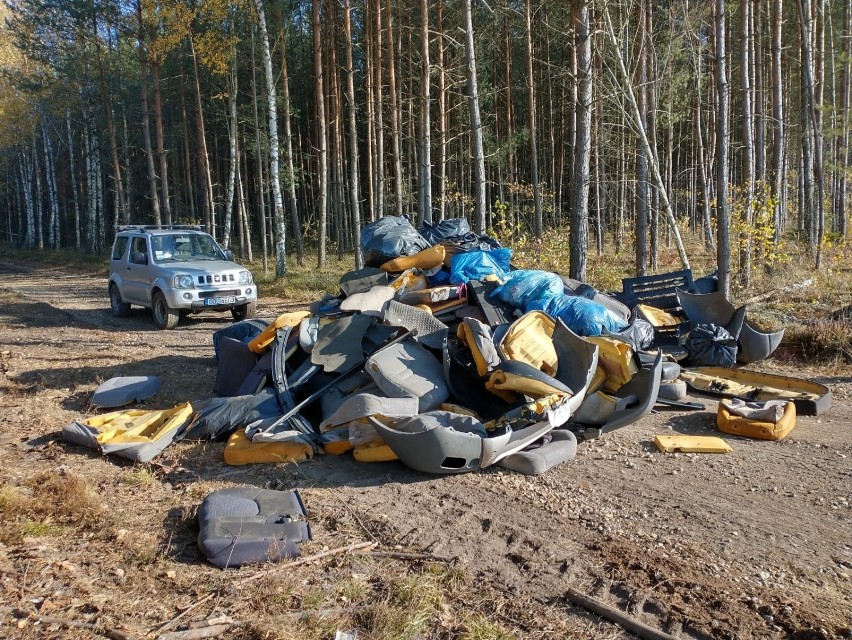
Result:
{"points": [[409, 369], [248, 525], [124, 390]]}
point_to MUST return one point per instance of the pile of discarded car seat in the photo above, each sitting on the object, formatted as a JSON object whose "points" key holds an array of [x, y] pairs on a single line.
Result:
{"points": [[441, 354]]}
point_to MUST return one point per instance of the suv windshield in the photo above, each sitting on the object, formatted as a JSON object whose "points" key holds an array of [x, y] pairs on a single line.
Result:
{"points": [[177, 247]]}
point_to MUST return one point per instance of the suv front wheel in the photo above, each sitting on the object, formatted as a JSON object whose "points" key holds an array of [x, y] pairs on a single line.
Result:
{"points": [[164, 316], [244, 311], [119, 309]]}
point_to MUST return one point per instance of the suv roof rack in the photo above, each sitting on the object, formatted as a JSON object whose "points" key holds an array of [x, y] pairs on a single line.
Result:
{"points": [[162, 227]]}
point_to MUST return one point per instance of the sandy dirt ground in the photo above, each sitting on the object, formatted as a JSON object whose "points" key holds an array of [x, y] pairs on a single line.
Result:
{"points": [[756, 543]]}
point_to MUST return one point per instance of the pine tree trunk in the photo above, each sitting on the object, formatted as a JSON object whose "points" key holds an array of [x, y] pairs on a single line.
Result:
{"points": [[187, 158], [354, 173], [579, 241], [424, 176], [322, 159], [842, 142], [161, 148], [123, 213], [380, 127], [261, 199], [443, 144], [394, 112], [289, 168], [272, 107], [146, 129], [203, 157], [537, 221], [723, 247], [759, 99], [643, 139]]}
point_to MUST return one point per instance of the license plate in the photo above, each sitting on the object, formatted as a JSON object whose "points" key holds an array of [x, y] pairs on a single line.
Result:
{"points": [[213, 302]]}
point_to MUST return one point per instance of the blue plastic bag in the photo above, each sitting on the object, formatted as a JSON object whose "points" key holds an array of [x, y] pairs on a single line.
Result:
{"points": [[435, 233], [475, 265], [525, 285], [583, 316]]}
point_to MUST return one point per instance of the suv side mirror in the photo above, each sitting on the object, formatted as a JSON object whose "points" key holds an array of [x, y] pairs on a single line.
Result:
{"points": [[137, 257], [229, 255]]}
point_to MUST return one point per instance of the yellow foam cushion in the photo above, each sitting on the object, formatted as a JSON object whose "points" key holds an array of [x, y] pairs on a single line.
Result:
{"points": [[741, 426], [137, 426], [374, 452], [426, 259], [616, 359], [691, 444], [259, 343], [337, 447], [657, 317], [240, 450], [529, 339]]}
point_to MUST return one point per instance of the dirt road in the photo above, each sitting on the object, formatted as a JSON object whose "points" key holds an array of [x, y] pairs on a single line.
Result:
{"points": [[756, 543]]}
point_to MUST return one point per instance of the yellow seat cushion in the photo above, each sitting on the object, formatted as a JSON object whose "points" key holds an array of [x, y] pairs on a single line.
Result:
{"points": [[240, 450], [261, 341], [751, 428], [426, 259], [374, 452]]}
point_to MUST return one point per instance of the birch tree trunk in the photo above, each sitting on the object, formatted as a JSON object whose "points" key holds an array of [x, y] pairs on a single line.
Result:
{"points": [[322, 159], [579, 242], [643, 139], [537, 221], [280, 227], [477, 153], [53, 218], [232, 155], [72, 172], [354, 199], [778, 118], [424, 177], [748, 144], [27, 184], [642, 156], [39, 200], [723, 221]]}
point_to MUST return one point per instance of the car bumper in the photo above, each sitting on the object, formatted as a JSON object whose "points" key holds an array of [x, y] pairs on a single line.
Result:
{"points": [[197, 300]]}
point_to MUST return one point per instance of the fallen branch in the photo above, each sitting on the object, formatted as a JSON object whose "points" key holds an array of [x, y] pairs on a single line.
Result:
{"points": [[260, 574], [624, 620], [789, 287], [411, 556], [113, 634], [213, 631]]}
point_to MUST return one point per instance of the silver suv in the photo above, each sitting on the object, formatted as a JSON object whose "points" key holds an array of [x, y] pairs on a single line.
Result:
{"points": [[176, 270]]}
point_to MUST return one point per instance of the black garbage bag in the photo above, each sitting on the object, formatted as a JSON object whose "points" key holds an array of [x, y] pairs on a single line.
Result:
{"points": [[639, 334], [711, 345], [390, 237], [434, 233], [468, 242]]}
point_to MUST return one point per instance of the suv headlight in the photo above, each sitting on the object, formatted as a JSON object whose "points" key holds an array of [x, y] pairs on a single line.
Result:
{"points": [[183, 282], [245, 277]]}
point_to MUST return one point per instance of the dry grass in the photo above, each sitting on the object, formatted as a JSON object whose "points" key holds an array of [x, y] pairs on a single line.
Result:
{"points": [[48, 504]]}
